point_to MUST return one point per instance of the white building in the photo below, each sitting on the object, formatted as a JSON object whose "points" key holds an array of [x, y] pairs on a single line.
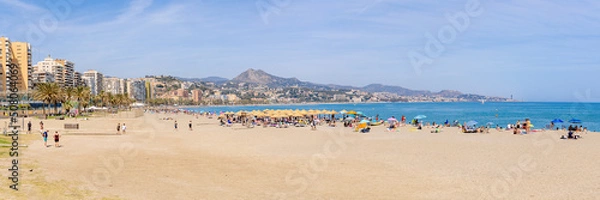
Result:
{"points": [[94, 80], [42, 77], [61, 69], [114, 85], [136, 88]]}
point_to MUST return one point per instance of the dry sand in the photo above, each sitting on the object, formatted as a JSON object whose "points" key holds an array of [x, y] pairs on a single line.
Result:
{"points": [[153, 161]]}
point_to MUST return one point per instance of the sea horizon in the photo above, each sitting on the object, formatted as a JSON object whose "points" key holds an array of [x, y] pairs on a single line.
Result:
{"points": [[496, 113]]}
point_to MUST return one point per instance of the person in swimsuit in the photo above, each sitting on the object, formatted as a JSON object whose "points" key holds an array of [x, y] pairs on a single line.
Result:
{"points": [[190, 125], [123, 128], [41, 125], [175, 125], [56, 139]]}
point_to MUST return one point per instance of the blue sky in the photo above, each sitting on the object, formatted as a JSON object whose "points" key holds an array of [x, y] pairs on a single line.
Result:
{"points": [[534, 50]]}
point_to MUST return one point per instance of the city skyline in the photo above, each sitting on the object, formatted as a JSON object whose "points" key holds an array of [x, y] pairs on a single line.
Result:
{"points": [[536, 51]]}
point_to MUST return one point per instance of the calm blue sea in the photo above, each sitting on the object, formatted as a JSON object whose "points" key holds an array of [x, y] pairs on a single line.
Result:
{"points": [[501, 113]]}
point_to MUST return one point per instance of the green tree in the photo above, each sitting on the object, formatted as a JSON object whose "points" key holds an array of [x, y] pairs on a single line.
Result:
{"points": [[82, 95], [49, 93]]}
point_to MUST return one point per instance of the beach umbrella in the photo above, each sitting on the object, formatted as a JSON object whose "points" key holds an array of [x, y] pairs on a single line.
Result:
{"points": [[352, 112], [420, 117], [349, 118], [575, 121], [333, 112], [472, 123], [364, 121], [343, 111], [557, 121], [392, 119]]}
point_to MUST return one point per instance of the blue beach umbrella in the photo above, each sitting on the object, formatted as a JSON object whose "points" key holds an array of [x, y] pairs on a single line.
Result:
{"points": [[472, 123], [420, 117], [575, 121], [557, 121]]}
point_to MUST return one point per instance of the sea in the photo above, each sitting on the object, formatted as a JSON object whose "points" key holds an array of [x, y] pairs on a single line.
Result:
{"points": [[487, 113]]}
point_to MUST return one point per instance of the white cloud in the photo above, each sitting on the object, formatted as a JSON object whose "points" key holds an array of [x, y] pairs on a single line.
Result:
{"points": [[20, 5]]}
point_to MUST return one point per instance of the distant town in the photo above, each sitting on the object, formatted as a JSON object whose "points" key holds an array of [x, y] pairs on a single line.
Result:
{"points": [[250, 87]]}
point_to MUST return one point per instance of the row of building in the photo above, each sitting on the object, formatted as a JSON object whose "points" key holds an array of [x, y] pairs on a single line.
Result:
{"points": [[61, 71]]}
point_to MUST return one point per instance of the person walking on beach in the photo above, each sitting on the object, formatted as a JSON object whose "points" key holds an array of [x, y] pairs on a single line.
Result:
{"points": [[41, 125], [29, 127], [45, 137], [56, 139], [190, 125], [123, 128], [175, 125], [118, 128]]}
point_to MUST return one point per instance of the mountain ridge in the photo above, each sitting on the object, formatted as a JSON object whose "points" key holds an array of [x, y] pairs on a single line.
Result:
{"points": [[260, 77]]}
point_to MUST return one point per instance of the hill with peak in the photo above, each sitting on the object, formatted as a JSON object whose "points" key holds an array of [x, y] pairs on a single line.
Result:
{"points": [[262, 78]]}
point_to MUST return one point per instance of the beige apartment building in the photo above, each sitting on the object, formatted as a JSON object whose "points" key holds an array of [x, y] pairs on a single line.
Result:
{"points": [[19, 54], [62, 70]]}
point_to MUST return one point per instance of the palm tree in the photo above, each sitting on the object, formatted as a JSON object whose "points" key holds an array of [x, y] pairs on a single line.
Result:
{"points": [[103, 98], [49, 93], [68, 94], [82, 95]]}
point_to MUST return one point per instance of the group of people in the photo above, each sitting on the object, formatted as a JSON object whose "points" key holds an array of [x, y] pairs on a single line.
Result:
{"points": [[121, 128], [176, 125], [45, 134]]}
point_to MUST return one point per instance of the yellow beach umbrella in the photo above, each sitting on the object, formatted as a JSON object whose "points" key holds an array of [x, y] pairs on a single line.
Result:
{"points": [[333, 112], [352, 112]]}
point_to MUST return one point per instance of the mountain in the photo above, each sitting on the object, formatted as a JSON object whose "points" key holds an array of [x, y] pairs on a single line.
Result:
{"points": [[260, 77], [214, 79], [394, 89]]}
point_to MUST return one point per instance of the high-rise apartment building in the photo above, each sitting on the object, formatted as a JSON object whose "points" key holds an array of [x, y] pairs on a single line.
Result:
{"points": [[136, 88], [77, 79], [67, 72], [18, 54], [94, 80], [114, 85], [61, 69]]}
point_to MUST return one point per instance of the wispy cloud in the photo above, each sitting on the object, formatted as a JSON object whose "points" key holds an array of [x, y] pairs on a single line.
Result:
{"points": [[21, 5], [329, 41], [135, 8]]}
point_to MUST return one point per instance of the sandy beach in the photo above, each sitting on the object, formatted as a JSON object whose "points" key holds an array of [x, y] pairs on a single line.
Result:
{"points": [[155, 161]]}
